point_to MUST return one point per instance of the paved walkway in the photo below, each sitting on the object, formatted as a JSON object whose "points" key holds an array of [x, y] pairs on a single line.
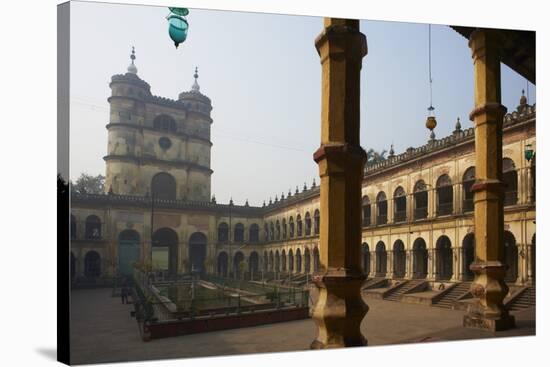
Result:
{"points": [[103, 331]]}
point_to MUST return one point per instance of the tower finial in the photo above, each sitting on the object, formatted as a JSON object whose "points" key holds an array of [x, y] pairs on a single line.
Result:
{"points": [[132, 67], [196, 88]]}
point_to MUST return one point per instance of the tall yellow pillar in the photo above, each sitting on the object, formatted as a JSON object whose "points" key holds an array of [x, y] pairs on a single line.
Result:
{"points": [[340, 308], [488, 286]]}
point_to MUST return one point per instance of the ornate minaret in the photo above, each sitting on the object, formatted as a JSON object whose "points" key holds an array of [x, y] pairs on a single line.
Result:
{"points": [[129, 94], [157, 146]]}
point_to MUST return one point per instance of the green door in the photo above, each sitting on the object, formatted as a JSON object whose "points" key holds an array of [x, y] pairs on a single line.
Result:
{"points": [[128, 254]]}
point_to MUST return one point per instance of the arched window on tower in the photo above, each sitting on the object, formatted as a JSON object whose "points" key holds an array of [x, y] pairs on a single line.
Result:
{"points": [[365, 203], [420, 200], [278, 230], [298, 225], [510, 180], [284, 229], [164, 123], [291, 227], [382, 205], [468, 180], [444, 187], [163, 186], [400, 205]]}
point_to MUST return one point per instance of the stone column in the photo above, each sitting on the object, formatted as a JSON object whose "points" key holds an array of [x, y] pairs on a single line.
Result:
{"points": [[456, 269], [340, 307], [461, 263], [389, 264], [488, 286], [431, 264], [528, 184], [408, 262], [530, 270]]}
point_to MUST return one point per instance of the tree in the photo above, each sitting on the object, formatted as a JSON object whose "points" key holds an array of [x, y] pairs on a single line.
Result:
{"points": [[375, 157], [88, 184]]}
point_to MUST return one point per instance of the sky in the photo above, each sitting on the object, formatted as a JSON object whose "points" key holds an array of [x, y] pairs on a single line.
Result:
{"points": [[263, 75]]}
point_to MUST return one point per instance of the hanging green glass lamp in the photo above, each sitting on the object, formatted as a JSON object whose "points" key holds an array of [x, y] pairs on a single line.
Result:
{"points": [[177, 25]]}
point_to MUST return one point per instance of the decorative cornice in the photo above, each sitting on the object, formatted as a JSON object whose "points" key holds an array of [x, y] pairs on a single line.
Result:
{"points": [[130, 78], [149, 128], [455, 139], [296, 198], [145, 160], [146, 201]]}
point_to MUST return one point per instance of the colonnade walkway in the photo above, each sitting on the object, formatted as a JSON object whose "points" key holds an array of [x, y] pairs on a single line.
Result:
{"points": [[102, 330]]}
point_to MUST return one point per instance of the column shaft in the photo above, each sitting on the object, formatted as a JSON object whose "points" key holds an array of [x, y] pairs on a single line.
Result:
{"points": [[340, 308], [488, 286]]}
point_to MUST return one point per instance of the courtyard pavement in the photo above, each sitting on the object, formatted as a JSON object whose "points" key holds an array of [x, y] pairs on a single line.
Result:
{"points": [[102, 330]]}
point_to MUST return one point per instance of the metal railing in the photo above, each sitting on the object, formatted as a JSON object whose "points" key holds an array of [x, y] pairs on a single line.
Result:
{"points": [[420, 213], [467, 205], [445, 208], [400, 216], [510, 198], [382, 219]]}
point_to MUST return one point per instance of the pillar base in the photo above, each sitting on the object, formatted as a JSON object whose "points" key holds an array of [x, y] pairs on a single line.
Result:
{"points": [[479, 322], [339, 309], [488, 312]]}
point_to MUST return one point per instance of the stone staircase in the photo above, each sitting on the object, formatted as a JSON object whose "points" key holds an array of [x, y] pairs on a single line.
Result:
{"points": [[451, 297], [395, 293], [374, 283], [525, 300]]}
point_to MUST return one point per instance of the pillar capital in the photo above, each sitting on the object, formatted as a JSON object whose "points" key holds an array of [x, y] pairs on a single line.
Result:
{"points": [[341, 39]]}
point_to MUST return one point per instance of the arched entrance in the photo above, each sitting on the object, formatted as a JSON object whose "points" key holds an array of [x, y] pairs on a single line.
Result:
{"points": [[468, 256], [298, 261], [399, 259], [197, 252], [307, 261], [290, 261], [129, 251], [283, 261], [165, 251], [271, 261], [443, 259], [253, 264], [92, 265], [366, 258], [238, 265], [420, 259], [510, 257], [316, 260], [381, 259], [277, 261], [223, 261]]}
